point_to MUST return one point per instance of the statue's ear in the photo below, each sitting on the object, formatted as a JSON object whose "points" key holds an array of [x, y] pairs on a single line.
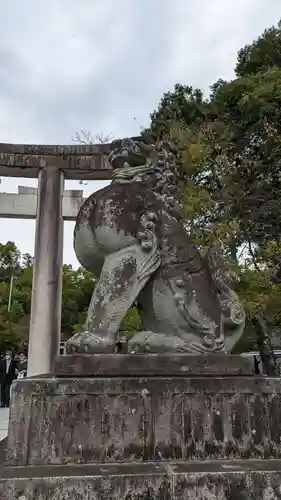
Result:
{"points": [[115, 144], [147, 138]]}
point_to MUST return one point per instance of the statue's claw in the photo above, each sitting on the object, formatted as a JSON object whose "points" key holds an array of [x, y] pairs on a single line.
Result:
{"points": [[89, 343]]}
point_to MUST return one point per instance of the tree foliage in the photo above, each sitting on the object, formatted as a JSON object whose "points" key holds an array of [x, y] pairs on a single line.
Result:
{"points": [[230, 149], [263, 54], [16, 284]]}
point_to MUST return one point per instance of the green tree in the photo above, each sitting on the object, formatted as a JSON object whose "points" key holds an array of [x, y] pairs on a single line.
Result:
{"points": [[131, 323], [78, 286], [9, 260], [231, 182], [263, 54], [183, 106], [77, 290], [15, 296]]}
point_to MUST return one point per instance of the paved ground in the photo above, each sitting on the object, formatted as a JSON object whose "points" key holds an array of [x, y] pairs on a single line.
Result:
{"points": [[4, 419]]}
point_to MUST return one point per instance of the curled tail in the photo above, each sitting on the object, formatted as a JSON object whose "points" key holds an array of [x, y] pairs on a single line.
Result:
{"points": [[224, 280]]}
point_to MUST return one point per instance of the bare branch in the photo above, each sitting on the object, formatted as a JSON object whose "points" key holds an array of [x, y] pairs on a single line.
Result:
{"points": [[85, 137], [103, 139]]}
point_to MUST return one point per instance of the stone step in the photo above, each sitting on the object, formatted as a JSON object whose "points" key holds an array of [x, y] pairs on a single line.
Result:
{"points": [[142, 468], [210, 480]]}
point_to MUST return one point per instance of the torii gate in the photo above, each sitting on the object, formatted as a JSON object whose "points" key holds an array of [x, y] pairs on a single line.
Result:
{"points": [[51, 165]]}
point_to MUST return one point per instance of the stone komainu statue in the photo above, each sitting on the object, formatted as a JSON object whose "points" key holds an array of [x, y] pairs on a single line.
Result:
{"points": [[130, 232]]}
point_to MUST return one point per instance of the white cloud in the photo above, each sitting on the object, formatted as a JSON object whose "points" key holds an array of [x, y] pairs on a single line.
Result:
{"points": [[207, 37], [104, 65]]}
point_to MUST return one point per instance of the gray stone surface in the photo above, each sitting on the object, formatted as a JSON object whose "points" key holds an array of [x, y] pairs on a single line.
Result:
{"points": [[131, 234], [3, 445], [83, 365], [45, 314], [81, 162], [177, 436], [93, 420], [259, 480], [23, 205]]}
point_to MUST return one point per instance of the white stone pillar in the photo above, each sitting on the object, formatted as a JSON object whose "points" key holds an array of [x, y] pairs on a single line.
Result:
{"points": [[45, 321]]}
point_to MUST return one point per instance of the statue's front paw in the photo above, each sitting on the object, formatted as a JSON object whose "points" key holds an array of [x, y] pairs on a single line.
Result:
{"points": [[89, 343], [150, 342], [73, 344]]}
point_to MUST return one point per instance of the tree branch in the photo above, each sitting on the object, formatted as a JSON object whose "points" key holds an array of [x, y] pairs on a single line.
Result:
{"points": [[85, 137], [251, 252]]}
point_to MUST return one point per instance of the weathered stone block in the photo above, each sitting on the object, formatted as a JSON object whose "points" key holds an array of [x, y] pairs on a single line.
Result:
{"points": [[169, 435], [112, 365], [92, 420], [116, 483], [246, 480]]}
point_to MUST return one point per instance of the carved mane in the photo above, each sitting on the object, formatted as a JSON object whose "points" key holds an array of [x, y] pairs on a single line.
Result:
{"points": [[160, 168]]}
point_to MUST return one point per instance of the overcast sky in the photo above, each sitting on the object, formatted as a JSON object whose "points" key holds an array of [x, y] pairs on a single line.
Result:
{"points": [[103, 65]]}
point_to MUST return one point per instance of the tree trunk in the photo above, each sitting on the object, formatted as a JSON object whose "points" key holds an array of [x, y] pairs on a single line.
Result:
{"points": [[265, 346]]}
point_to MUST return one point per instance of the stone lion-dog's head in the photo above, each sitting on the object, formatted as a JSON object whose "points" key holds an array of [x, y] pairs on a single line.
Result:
{"points": [[131, 152]]}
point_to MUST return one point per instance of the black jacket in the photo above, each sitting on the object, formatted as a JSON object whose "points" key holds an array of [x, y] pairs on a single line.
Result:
{"points": [[22, 366], [7, 378]]}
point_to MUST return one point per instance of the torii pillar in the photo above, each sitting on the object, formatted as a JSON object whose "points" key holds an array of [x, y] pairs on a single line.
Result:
{"points": [[51, 164], [45, 317]]}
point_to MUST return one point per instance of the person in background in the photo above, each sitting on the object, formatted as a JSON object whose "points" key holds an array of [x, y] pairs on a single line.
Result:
{"points": [[7, 375], [21, 369]]}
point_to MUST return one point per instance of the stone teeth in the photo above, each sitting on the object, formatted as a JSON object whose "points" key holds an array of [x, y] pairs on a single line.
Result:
{"points": [[179, 282]]}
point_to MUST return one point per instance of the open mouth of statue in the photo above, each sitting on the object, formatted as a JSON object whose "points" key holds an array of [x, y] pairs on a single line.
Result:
{"points": [[120, 159], [124, 152], [124, 158]]}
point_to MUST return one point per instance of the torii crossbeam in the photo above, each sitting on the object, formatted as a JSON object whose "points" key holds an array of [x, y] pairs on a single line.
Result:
{"points": [[51, 164]]}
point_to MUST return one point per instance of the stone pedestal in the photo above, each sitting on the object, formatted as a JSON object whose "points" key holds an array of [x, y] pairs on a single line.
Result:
{"points": [[145, 427]]}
